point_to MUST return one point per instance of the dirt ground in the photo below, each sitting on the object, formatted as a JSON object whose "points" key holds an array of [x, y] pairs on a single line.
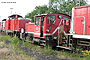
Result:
{"points": [[7, 53]]}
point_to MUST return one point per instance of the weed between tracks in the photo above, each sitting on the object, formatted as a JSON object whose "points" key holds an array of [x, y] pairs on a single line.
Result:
{"points": [[21, 50]]}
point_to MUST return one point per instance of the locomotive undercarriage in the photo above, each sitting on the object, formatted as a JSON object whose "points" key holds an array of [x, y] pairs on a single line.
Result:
{"points": [[68, 42], [83, 44], [50, 41]]}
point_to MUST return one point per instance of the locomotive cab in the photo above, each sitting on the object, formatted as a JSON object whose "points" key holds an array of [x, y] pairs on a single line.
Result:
{"points": [[11, 22], [48, 25]]}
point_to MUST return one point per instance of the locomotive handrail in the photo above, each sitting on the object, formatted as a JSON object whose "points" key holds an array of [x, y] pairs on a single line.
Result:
{"points": [[84, 23], [59, 31]]}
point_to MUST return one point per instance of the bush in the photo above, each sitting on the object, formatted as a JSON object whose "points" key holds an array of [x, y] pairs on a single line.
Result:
{"points": [[15, 40]]}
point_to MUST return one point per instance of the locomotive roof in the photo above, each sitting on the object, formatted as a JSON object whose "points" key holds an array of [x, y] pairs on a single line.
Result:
{"points": [[15, 15], [40, 15], [51, 14], [83, 6], [4, 19], [57, 14], [24, 19]]}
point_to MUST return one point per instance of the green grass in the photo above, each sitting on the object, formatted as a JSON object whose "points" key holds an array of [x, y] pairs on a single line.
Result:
{"points": [[3, 58], [29, 45], [87, 57], [5, 38], [14, 45], [49, 51], [16, 48], [1, 46]]}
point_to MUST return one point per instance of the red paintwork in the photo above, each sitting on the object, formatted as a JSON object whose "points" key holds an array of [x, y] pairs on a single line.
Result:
{"points": [[29, 27], [78, 24], [0, 25], [15, 24], [11, 23], [67, 26], [37, 28], [6, 25], [21, 24], [54, 26]]}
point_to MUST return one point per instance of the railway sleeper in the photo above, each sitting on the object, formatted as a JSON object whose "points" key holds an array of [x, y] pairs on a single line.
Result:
{"points": [[84, 42], [81, 44]]}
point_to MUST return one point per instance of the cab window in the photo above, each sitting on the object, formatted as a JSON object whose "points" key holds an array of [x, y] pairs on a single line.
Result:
{"points": [[37, 20], [66, 18], [51, 19], [42, 20], [13, 17]]}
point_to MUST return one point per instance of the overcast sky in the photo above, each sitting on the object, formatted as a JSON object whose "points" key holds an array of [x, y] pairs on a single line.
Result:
{"points": [[21, 7]]}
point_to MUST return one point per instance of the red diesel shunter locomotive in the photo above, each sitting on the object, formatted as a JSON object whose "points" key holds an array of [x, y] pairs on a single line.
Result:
{"points": [[80, 26], [15, 23], [47, 26]]}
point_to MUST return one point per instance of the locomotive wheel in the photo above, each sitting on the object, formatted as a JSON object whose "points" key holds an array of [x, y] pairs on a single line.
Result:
{"points": [[74, 44], [24, 37], [31, 38], [12, 35], [49, 41]]}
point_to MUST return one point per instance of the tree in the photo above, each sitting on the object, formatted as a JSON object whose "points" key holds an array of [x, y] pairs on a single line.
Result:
{"points": [[65, 6], [56, 6], [36, 11]]}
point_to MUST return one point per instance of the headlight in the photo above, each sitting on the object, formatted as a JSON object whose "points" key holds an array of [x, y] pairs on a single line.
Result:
{"points": [[22, 30], [47, 30]]}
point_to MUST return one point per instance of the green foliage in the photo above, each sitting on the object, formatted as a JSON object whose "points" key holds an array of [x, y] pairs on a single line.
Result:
{"points": [[86, 58], [65, 6], [36, 11], [49, 51], [27, 44], [15, 46], [5, 38], [1, 46], [56, 6], [15, 40]]}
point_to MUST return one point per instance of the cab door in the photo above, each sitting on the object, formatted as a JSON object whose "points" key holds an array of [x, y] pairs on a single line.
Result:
{"points": [[79, 25], [42, 26], [37, 29], [51, 24], [80, 19]]}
